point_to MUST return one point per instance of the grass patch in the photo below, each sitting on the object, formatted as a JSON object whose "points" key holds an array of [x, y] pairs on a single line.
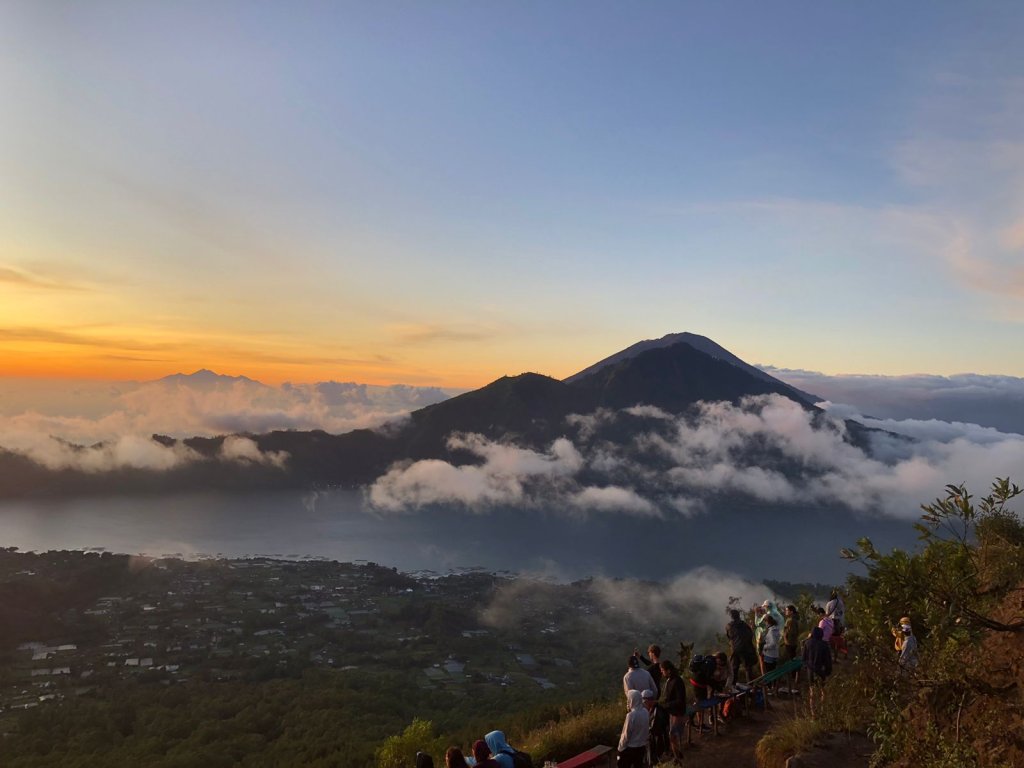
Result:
{"points": [[786, 739], [575, 731]]}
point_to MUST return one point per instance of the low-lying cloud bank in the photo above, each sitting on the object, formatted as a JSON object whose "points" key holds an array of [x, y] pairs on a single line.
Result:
{"points": [[692, 606], [991, 401], [96, 428], [133, 452], [767, 449]]}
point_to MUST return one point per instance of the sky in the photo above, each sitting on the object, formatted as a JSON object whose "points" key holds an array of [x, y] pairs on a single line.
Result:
{"points": [[439, 194]]}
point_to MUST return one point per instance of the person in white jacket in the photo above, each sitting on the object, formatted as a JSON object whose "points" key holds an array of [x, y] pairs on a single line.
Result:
{"points": [[636, 732], [637, 678], [770, 646]]}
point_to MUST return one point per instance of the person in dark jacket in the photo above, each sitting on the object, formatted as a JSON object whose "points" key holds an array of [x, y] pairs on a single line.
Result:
{"points": [[653, 664], [818, 663], [741, 643], [423, 760], [675, 704], [659, 745]]}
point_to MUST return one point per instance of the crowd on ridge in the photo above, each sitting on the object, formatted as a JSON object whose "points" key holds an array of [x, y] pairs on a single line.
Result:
{"points": [[658, 710]]}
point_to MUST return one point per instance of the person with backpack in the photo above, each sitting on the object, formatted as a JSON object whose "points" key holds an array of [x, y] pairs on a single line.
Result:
{"points": [[818, 663], [675, 705], [659, 744], [504, 754], [637, 678], [636, 732], [741, 644], [835, 609], [702, 677]]}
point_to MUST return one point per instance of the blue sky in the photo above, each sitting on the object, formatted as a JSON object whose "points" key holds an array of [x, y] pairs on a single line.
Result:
{"points": [[444, 193]]}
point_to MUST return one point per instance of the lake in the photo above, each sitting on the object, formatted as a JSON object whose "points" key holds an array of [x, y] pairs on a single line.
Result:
{"points": [[798, 544]]}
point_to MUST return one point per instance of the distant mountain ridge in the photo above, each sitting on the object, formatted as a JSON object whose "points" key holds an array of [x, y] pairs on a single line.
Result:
{"points": [[529, 410]]}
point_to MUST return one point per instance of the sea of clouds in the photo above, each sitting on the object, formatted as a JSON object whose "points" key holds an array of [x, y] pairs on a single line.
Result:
{"points": [[766, 448]]}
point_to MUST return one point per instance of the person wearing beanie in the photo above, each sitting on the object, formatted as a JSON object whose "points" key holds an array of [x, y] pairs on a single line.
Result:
{"points": [[637, 678]]}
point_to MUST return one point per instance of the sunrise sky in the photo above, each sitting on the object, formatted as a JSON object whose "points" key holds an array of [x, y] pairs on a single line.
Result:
{"points": [[442, 193]]}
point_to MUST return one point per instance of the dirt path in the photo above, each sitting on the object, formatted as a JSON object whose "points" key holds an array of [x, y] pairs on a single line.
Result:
{"points": [[735, 744]]}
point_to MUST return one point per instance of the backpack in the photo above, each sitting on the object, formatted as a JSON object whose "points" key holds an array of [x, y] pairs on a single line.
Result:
{"points": [[702, 669], [520, 759]]}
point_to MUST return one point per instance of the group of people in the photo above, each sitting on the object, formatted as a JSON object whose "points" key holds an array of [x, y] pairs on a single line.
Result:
{"points": [[492, 751], [656, 699]]}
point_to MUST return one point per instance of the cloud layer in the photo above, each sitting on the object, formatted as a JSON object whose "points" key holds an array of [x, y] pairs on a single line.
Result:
{"points": [[692, 607], [767, 449], [991, 401], [97, 428]]}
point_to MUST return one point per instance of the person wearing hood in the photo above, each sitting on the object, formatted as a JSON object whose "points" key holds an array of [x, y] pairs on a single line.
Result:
{"points": [[501, 751], [818, 663], [636, 732]]}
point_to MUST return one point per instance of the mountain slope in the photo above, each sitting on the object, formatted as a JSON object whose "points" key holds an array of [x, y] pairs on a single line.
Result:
{"points": [[701, 344]]}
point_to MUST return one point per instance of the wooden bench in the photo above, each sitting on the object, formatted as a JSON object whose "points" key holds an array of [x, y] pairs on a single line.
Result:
{"points": [[596, 757]]}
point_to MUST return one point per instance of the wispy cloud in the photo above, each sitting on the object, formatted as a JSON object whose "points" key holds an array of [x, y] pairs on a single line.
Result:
{"points": [[27, 279], [423, 333]]}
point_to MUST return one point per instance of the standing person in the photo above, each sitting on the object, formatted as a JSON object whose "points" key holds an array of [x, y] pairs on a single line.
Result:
{"points": [[770, 647], [835, 609], [423, 760], [636, 732], [759, 628], [637, 678], [659, 744], [908, 648], [741, 643], [453, 758], [818, 663], [675, 705], [824, 624], [790, 640], [702, 677], [653, 664]]}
